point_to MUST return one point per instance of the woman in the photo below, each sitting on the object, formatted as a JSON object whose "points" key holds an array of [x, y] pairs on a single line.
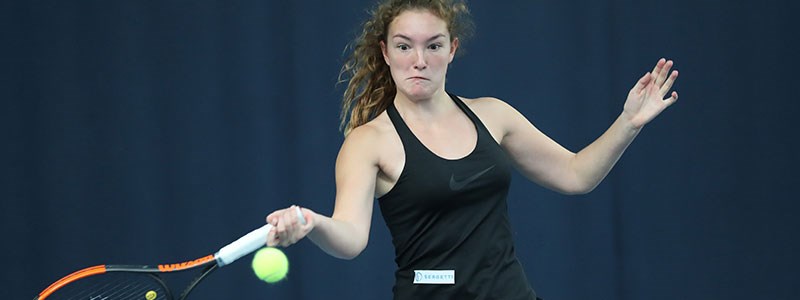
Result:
{"points": [[440, 164]]}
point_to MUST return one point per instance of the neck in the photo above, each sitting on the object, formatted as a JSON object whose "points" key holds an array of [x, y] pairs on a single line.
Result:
{"points": [[426, 108]]}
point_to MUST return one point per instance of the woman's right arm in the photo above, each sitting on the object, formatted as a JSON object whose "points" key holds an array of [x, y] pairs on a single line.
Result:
{"points": [[345, 234]]}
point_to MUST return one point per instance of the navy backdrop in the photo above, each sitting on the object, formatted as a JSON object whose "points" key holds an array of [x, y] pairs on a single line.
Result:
{"points": [[156, 131]]}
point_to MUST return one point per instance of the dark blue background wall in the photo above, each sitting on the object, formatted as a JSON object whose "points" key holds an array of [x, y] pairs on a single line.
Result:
{"points": [[157, 131]]}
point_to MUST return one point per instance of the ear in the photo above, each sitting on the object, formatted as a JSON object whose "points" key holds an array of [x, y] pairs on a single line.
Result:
{"points": [[385, 55], [453, 48]]}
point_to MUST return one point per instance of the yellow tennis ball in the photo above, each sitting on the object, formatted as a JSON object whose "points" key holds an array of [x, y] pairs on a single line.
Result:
{"points": [[270, 264]]}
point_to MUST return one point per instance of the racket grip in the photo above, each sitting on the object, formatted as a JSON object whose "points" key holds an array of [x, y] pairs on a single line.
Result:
{"points": [[244, 245]]}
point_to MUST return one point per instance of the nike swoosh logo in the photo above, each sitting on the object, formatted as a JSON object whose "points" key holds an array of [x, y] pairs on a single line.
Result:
{"points": [[459, 185]]}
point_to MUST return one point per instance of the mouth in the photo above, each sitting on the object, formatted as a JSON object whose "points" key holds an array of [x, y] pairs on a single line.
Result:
{"points": [[417, 78]]}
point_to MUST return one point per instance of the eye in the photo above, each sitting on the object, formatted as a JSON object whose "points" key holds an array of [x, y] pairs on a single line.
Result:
{"points": [[403, 47], [435, 46]]}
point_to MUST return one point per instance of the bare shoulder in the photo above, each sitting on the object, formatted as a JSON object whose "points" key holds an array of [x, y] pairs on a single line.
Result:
{"points": [[489, 106], [374, 130], [370, 138], [494, 113], [372, 149]]}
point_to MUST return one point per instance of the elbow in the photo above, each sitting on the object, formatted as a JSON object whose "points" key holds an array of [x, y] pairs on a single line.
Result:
{"points": [[341, 239], [580, 183], [350, 254], [579, 188], [349, 249], [347, 257], [578, 191]]}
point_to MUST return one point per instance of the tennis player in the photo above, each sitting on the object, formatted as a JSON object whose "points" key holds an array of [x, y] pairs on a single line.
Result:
{"points": [[439, 164]]}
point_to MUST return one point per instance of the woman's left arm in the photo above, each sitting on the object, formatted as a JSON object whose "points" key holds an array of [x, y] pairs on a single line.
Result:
{"points": [[544, 161]]}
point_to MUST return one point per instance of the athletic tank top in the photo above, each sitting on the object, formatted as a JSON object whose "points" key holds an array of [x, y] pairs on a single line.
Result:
{"points": [[449, 222]]}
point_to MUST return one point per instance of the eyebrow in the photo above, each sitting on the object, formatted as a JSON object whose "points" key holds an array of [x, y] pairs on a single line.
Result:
{"points": [[408, 38]]}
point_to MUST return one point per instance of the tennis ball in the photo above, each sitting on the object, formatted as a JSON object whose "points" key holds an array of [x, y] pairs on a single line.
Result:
{"points": [[270, 264]]}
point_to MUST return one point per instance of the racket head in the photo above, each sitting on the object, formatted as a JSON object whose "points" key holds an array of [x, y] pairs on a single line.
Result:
{"points": [[122, 282], [102, 282]]}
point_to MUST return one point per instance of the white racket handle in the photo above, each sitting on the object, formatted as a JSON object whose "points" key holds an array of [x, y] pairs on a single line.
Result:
{"points": [[248, 243], [243, 246]]}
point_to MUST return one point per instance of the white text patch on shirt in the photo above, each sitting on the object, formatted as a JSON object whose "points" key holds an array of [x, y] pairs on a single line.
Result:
{"points": [[434, 276]]}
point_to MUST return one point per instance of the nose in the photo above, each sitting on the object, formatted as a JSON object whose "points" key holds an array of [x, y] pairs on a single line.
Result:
{"points": [[420, 63]]}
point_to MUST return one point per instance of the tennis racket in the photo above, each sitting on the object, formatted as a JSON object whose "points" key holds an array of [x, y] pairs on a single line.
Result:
{"points": [[122, 282]]}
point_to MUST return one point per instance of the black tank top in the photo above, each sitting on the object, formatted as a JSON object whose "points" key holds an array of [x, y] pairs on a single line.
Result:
{"points": [[451, 215]]}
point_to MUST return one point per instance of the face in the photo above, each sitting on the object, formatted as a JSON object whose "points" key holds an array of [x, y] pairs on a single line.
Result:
{"points": [[418, 51]]}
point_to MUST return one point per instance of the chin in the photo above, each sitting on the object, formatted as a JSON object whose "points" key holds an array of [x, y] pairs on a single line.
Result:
{"points": [[417, 93]]}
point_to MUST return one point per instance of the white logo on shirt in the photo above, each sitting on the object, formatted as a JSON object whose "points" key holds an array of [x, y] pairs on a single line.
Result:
{"points": [[434, 277]]}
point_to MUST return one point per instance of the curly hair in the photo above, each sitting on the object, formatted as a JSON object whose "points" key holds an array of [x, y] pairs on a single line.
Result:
{"points": [[370, 87]]}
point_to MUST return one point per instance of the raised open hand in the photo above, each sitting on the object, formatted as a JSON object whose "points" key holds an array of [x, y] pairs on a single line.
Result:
{"points": [[646, 99]]}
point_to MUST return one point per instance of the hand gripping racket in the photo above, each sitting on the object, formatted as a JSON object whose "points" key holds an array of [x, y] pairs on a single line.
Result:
{"points": [[122, 282]]}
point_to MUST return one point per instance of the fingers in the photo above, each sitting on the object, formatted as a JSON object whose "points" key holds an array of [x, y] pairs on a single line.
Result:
{"points": [[668, 84], [642, 83], [272, 238], [286, 228], [664, 79], [672, 99], [663, 69], [659, 64]]}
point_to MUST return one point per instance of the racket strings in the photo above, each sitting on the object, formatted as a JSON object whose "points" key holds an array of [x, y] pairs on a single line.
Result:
{"points": [[114, 286]]}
